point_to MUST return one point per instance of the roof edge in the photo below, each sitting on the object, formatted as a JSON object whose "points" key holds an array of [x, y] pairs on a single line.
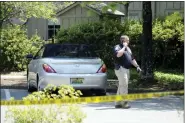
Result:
{"points": [[67, 8], [88, 7]]}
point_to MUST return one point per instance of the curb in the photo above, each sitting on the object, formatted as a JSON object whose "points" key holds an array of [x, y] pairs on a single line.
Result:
{"points": [[114, 90], [109, 90], [13, 87]]}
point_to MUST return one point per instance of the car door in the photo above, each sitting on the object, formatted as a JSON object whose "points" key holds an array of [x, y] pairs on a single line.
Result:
{"points": [[33, 67]]}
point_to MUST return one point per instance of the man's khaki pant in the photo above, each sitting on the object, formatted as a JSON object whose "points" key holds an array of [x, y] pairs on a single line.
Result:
{"points": [[123, 76]]}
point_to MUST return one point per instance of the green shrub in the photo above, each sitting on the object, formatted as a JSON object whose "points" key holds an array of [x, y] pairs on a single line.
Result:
{"points": [[169, 29], [168, 43], [55, 113], [54, 92], [134, 30], [45, 114], [15, 45], [169, 81]]}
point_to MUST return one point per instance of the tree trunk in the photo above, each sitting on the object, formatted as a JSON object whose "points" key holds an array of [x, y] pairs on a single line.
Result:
{"points": [[1, 18], [1, 24], [147, 53], [126, 10]]}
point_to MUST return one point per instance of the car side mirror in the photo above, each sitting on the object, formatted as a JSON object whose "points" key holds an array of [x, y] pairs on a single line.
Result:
{"points": [[29, 56]]}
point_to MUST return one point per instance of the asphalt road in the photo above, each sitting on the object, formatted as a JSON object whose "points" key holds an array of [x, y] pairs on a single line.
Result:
{"points": [[169, 109]]}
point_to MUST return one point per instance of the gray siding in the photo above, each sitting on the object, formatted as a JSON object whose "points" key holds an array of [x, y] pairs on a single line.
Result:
{"points": [[39, 26], [159, 9], [166, 8], [135, 10], [77, 15]]}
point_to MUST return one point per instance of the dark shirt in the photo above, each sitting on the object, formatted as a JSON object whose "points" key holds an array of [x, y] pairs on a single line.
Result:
{"points": [[125, 60]]}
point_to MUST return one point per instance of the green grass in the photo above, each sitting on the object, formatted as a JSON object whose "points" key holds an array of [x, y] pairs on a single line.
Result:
{"points": [[171, 71]]}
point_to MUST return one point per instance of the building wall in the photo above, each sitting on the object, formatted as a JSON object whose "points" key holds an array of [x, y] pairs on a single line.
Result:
{"points": [[39, 26], [77, 15], [166, 8], [159, 9]]}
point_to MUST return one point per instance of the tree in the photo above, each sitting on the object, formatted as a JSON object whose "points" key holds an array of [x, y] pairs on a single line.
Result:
{"points": [[25, 10], [147, 54]]}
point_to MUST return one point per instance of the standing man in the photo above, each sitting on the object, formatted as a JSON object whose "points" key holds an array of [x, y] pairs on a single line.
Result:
{"points": [[123, 60]]}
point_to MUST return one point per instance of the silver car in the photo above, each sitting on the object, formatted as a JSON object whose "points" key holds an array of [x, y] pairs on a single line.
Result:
{"points": [[70, 64]]}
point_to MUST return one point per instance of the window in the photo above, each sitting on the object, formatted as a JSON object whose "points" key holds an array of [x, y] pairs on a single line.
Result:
{"points": [[53, 27], [52, 30], [69, 51]]}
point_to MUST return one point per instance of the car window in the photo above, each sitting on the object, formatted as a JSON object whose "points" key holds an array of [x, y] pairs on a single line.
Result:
{"points": [[69, 51]]}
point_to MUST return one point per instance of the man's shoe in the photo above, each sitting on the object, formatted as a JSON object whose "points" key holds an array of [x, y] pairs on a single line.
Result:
{"points": [[118, 106], [126, 106]]}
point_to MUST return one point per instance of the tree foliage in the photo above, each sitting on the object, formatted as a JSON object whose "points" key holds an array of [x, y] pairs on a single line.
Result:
{"points": [[25, 10], [172, 28], [15, 45]]}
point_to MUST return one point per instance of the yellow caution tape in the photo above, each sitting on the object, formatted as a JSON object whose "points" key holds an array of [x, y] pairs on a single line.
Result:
{"points": [[96, 99]]}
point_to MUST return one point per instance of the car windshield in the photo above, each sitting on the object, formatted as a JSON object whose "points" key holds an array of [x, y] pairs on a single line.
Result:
{"points": [[69, 51]]}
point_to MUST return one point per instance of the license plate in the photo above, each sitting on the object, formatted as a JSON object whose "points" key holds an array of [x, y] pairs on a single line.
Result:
{"points": [[77, 80]]}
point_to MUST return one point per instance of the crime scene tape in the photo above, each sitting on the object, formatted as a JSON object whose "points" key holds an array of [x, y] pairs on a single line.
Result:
{"points": [[95, 99]]}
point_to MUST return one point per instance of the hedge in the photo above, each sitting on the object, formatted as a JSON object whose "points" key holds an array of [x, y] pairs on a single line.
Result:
{"points": [[169, 81], [168, 45]]}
